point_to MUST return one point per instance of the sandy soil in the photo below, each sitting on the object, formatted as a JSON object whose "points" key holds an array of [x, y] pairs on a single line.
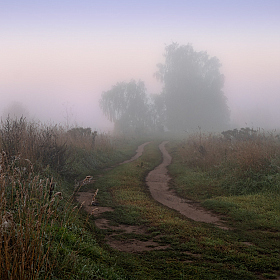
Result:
{"points": [[134, 245]]}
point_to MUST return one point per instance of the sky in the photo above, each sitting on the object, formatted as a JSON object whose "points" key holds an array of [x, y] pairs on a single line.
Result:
{"points": [[58, 56]]}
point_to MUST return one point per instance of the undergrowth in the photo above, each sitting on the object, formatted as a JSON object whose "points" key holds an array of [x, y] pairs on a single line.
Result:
{"points": [[30, 213], [43, 235], [246, 164], [194, 250]]}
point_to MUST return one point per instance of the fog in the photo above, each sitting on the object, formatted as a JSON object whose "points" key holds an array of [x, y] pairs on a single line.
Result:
{"points": [[57, 57]]}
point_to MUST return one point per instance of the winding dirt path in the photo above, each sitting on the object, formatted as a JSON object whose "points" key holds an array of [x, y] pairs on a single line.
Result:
{"points": [[85, 198], [128, 245], [138, 154], [157, 181]]}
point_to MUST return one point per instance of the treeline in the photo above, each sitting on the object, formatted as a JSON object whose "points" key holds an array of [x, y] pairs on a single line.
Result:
{"points": [[191, 97]]}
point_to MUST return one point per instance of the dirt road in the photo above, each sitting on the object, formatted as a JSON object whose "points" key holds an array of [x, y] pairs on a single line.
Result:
{"points": [[157, 181]]}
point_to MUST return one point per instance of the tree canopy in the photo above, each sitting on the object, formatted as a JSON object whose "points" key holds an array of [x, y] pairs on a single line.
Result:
{"points": [[192, 89], [126, 104], [192, 96]]}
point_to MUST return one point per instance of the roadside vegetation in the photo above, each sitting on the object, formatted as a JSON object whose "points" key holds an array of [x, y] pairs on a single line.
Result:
{"points": [[237, 176], [46, 234], [42, 235], [248, 249]]}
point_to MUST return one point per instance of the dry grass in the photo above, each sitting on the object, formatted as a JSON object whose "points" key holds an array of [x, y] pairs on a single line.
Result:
{"points": [[203, 151], [244, 165], [30, 214], [40, 233], [39, 143], [51, 145], [210, 151]]}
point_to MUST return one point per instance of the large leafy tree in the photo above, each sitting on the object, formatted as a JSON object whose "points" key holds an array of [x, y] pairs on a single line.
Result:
{"points": [[192, 89], [126, 105]]}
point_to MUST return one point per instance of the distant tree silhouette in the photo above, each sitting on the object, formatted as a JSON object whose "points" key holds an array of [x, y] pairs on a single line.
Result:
{"points": [[192, 90], [157, 112], [126, 105]]}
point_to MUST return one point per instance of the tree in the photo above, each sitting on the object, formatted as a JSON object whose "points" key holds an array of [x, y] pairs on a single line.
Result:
{"points": [[126, 104], [192, 89], [157, 112]]}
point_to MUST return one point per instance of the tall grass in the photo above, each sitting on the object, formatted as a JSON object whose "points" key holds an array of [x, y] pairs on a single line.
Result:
{"points": [[247, 163], [39, 143], [29, 215], [40, 231], [53, 146]]}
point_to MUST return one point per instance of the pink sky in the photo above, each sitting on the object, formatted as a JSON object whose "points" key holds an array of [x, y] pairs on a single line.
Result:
{"points": [[61, 55]]}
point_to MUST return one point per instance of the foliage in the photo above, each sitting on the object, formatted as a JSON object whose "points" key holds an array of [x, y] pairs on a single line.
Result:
{"points": [[126, 104], [54, 148], [40, 144], [241, 134], [246, 163], [157, 113], [43, 236], [190, 250], [192, 90], [28, 213], [192, 96]]}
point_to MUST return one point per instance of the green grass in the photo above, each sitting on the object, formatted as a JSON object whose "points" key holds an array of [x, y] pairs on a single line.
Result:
{"points": [[42, 236], [196, 250], [76, 249], [258, 211]]}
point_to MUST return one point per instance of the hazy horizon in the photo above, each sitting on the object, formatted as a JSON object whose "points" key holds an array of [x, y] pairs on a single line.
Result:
{"points": [[57, 57]]}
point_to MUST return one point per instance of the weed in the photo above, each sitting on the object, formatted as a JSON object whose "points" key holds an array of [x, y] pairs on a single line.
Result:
{"points": [[196, 250], [244, 164], [28, 216]]}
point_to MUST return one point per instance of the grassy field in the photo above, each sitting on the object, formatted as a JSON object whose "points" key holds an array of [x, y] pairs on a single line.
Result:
{"points": [[43, 233], [46, 235], [249, 250]]}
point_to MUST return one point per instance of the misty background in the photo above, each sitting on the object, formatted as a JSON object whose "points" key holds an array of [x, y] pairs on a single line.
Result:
{"points": [[58, 57]]}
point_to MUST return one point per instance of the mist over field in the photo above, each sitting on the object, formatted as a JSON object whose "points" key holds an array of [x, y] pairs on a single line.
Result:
{"points": [[58, 58], [139, 139]]}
